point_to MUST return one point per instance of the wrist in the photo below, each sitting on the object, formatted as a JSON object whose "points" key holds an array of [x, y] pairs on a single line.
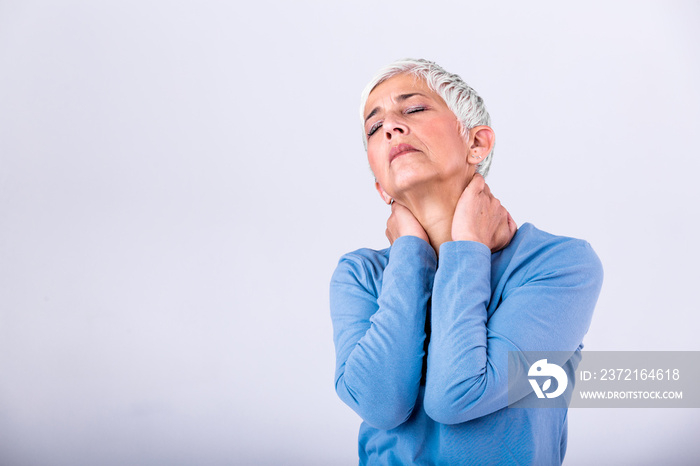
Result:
{"points": [[465, 236]]}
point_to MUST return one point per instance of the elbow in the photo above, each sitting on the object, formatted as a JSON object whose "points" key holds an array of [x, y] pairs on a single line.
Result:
{"points": [[439, 409], [436, 404], [386, 419], [384, 416], [452, 404], [376, 409]]}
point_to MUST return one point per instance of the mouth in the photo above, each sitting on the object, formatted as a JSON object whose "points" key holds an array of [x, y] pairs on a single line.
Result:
{"points": [[399, 150]]}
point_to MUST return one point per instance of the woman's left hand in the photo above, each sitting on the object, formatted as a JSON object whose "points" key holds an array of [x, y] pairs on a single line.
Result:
{"points": [[480, 217]]}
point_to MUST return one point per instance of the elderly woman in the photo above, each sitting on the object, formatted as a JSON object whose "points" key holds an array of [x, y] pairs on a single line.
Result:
{"points": [[422, 329]]}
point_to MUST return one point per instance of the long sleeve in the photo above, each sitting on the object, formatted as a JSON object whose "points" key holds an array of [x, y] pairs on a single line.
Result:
{"points": [[379, 330], [547, 305]]}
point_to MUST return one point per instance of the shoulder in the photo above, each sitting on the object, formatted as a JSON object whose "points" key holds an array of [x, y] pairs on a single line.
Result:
{"points": [[362, 267], [543, 253], [530, 242], [365, 259]]}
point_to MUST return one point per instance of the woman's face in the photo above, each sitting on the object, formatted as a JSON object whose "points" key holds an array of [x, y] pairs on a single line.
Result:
{"points": [[413, 138]]}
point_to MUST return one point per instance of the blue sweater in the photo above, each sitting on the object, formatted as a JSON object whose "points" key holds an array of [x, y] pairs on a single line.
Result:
{"points": [[422, 349]]}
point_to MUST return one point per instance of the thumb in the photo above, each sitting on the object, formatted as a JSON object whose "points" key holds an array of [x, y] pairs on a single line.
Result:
{"points": [[477, 183], [512, 226]]}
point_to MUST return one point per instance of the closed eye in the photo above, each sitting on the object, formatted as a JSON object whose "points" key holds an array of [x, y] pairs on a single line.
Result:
{"points": [[373, 129], [414, 110]]}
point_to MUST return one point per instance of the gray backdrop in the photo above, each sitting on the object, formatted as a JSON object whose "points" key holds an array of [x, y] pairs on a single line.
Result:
{"points": [[178, 180]]}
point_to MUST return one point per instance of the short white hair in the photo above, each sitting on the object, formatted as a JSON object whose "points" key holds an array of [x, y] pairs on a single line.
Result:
{"points": [[464, 102]]}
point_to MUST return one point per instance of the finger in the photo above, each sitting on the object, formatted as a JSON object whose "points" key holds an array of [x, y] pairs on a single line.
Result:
{"points": [[480, 183], [507, 230], [396, 208], [477, 183], [512, 226]]}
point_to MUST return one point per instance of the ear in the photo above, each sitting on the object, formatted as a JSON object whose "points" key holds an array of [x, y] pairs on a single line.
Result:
{"points": [[480, 142], [382, 193]]}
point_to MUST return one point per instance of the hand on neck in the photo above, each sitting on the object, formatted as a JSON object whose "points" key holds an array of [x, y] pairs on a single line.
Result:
{"points": [[434, 208]]}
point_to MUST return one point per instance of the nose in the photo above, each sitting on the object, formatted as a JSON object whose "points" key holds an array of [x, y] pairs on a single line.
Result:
{"points": [[394, 126]]}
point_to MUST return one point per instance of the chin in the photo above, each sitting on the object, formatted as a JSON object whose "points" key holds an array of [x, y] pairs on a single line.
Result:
{"points": [[410, 179]]}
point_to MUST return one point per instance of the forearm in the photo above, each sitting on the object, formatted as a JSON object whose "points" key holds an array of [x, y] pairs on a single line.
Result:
{"points": [[458, 373], [543, 302], [379, 341]]}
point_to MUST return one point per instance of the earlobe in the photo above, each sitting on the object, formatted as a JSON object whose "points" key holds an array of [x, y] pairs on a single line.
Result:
{"points": [[385, 196], [482, 139]]}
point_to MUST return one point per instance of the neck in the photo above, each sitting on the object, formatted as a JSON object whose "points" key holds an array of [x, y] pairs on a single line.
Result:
{"points": [[434, 209]]}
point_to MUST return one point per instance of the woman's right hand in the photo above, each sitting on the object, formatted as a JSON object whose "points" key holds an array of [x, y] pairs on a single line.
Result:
{"points": [[402, 223]]}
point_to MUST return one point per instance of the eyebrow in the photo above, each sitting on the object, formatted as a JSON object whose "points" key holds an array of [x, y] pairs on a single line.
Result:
{"points": [[400, 98]]}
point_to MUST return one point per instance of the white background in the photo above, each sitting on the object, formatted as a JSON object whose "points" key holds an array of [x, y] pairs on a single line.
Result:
{"points": [[179, 179]]}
